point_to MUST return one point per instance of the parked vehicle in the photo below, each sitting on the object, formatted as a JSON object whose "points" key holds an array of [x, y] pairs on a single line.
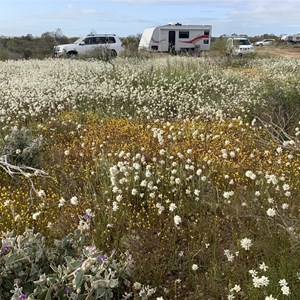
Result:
{"points": [[264, 42], [110, 43], [239, 46], [176, 38], [291, 38]]}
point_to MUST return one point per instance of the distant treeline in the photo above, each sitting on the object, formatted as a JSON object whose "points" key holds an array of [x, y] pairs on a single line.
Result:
{"points": [[26, 47]]}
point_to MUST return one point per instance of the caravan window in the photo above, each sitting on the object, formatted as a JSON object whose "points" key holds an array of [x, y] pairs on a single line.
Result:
{"points": [[206, 41], [184, 34], [206, 32]]}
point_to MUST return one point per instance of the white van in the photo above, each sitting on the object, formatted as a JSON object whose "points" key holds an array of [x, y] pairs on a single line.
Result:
{"points": [[239, 46]]}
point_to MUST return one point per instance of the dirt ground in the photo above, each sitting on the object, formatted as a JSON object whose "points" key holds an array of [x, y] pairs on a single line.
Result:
{"points": [[287, 52]]}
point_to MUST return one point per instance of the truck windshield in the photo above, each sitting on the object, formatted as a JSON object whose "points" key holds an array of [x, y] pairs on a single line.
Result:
{"points": [[244, 42], [78, 41]]}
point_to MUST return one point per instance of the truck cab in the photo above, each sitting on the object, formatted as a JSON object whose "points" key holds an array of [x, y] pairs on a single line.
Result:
{"points": [[239, 46]]}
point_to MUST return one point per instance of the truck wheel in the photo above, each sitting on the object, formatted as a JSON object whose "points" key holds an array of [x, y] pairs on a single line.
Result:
{"points": [[71, 54], [113, 53]]}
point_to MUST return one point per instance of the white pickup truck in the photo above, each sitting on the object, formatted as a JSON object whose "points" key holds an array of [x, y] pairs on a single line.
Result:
{"points": [[239, 46], [264, 42]]}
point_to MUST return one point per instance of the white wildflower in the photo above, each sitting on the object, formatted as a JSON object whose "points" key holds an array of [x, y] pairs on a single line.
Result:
{"points": [[199, 172], [246, 243], [133, 192], [286, 187], [271, 212], [285, 290], [137, 286], [177, 180], [195, 267], [260, 281], [177, 220], [74, 200], [62, 202], [263, 266], [41, 193], [229, 256], [250, 175], [270, 298], [115, 206], [35, 215], [172, 206], [119, 198], [283, 282]]}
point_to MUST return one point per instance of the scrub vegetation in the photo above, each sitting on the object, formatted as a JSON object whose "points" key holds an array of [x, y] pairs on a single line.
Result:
{"points": [[150, 178]]}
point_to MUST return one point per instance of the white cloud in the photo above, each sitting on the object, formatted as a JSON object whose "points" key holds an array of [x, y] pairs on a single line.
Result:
{"points": [[88, 11]]}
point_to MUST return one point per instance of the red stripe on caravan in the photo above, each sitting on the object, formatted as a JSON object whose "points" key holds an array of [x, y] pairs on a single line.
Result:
{"points": [[196, 39], [155, 41]]}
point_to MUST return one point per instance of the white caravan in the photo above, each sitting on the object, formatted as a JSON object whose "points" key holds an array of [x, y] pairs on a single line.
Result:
{"points": [[176, 38], [292, 38]]}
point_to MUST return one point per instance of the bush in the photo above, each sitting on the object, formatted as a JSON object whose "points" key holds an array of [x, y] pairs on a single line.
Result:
{"points": [[67, 270], [21, 147]]}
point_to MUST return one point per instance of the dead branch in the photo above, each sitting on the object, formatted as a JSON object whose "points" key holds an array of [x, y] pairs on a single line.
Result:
{"points": [[24, 171], [278, 134]]}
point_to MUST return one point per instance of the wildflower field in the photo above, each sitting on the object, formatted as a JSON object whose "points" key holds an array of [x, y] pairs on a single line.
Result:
{"points": [[150, 178]]}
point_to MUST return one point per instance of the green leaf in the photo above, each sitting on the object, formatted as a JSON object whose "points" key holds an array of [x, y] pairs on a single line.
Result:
{"points": [[54, 268], [113, 283], [42, 295], [13, 259], [79, 278], [74, 265], [100, 292], [34, 270], [48, 296], [68, 259]]}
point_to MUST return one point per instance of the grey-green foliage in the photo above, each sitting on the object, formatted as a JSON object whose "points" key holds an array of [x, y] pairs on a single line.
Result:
{"points": [[70, 269], [282, 103], [22, 147]]}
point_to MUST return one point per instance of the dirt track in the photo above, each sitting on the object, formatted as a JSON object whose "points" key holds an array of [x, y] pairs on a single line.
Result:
{"points": [[287, 52]]}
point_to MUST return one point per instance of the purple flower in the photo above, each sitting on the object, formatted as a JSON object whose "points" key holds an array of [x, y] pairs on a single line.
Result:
{"points": [[5, 247], [102, 258], [22, 297], [68, 290], [87, 217]]}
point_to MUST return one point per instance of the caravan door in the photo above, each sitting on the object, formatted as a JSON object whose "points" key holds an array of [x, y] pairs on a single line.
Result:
{"points": [[172, 39], [163, 40]]}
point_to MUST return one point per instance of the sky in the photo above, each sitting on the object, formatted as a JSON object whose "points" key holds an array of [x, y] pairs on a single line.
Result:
{"points": [[130, 17]]}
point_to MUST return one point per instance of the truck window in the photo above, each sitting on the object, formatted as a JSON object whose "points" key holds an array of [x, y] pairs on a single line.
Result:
{"points": [[90, 41], [111, 40]]}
